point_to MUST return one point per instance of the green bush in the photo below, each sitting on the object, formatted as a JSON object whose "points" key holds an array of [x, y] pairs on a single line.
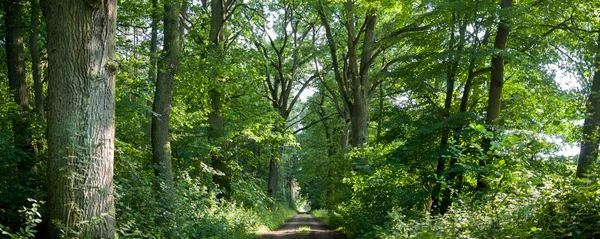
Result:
{"points": [[32, 218], [198, 213], [560, 208]]}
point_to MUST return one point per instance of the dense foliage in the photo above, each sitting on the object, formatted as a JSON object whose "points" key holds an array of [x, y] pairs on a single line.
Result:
{"points": [[379, 115]]}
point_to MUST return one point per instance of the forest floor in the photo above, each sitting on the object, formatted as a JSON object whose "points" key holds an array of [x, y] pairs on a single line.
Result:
{"points": [[304, 226]]}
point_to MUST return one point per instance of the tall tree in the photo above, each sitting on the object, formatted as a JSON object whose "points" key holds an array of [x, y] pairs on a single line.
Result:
{"points": [[352, 71], [496, 83], [456, 42], [15, 59], [354, 80], [81, 110], [183, 17], [161, 144], [36, 65], [152, 74], [285, 67], [220, 11], [588, 153]]}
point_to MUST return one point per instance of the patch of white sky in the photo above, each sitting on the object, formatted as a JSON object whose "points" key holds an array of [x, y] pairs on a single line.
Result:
{"points": [[566, 81]]}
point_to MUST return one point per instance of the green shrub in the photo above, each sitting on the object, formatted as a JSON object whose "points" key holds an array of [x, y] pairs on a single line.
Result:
{"points": [[32, 218]]}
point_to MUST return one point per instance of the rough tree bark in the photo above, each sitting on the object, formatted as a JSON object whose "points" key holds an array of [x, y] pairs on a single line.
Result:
{"points": [[81, 109], [161, 145], [353, 79], [274, 167], [361, 85], [216, 121], [588, 153], [496, 83]]}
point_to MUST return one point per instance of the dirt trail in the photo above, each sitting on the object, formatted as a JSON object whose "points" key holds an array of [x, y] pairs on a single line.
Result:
{"points": [[303, 226]]}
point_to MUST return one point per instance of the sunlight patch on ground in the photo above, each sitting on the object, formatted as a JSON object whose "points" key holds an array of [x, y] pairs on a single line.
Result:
{"points": [[303, 230], [262, 230]]}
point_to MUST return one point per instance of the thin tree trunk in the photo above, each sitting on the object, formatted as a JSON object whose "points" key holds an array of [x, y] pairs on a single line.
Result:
{"points": [[36, 68], [339, 76], [36, 65], [184, 9], [20, 118], [344, 136], [588, 153], [331, 149], [441, 164], [495, 93], [446, 197], [380, 119], [153, 61], [161, 145], [81, 110], [15, 60], [450, 80]]}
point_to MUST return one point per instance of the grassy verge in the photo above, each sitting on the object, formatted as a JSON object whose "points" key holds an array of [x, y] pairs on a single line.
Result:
{"points": [[330, 218], [271, 220], [321, 214]]}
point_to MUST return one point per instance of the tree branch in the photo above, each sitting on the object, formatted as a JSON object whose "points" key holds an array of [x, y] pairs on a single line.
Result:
{"points": [[312, 124]]}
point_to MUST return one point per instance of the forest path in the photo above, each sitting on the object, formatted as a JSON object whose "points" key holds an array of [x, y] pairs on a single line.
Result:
{"points": [[304, 226]]}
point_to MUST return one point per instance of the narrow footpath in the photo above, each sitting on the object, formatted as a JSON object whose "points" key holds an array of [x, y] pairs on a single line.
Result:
{"points": [[303, 226]]}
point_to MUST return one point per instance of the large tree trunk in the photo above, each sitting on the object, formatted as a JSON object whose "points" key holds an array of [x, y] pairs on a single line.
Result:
{"points": [[161, 145], [81, 111], [274, 166], [361, 85], [495, 93], [216, 131], [588, 153], [354, 84], [216, 121]]}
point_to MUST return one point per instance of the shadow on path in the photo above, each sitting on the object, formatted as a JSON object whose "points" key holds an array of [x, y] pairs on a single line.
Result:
{"points": [[304, 226]]}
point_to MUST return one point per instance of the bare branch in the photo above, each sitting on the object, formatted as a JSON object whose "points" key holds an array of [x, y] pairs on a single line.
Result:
{"points": [[312, 124]]}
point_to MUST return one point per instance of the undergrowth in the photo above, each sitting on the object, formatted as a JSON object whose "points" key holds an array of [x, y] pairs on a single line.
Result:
{"points": [[529, 199], [198, 212]]}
